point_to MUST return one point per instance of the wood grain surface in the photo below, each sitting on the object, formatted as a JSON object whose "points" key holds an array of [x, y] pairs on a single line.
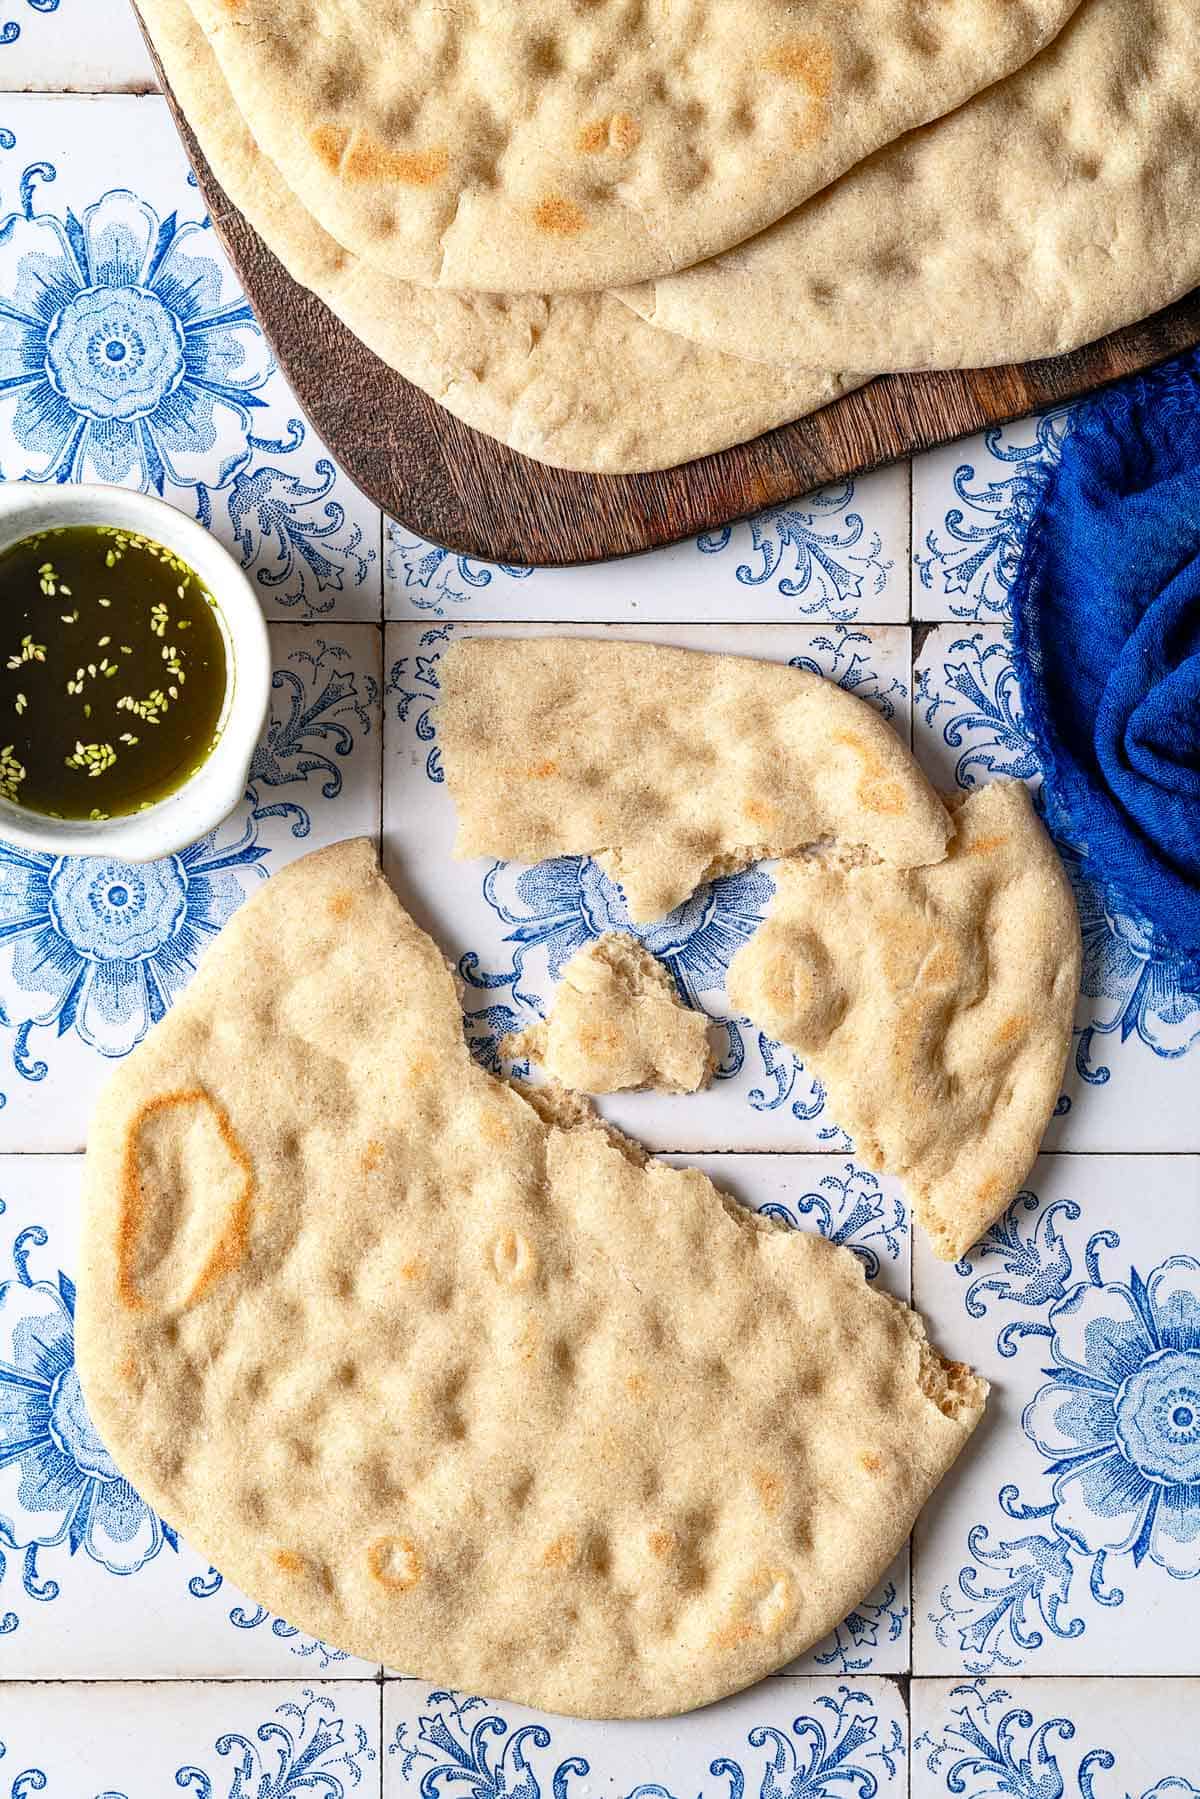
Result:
{"points": [[453, 485]]}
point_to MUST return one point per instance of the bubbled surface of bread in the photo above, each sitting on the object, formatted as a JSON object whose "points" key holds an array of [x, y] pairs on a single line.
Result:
{"points": [[1052, 209], [575, 380], [934, 1004], [498, 1402], [487, 145], [669, 766]]}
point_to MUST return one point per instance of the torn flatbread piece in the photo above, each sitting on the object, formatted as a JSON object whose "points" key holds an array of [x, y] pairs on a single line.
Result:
{"points": [[617, 1021], [935, 1005], [340, 1288], [668, 766]]}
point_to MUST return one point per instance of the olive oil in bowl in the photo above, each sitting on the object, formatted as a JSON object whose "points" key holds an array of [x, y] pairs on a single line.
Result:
{"points": [[114, 672]]}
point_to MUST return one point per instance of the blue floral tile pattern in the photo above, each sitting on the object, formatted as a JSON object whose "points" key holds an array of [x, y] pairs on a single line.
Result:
{"points": [[1040, 1739], [1066, 1543], [94, 950], [1137, 1027], [285, 1741], [838, 556], [128, 354], [1075, 1540], [972, 502], [511, 928], [785, 1739]]}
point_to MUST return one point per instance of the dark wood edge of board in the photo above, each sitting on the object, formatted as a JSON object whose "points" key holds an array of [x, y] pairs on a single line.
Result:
{"points": [[465, 491]]}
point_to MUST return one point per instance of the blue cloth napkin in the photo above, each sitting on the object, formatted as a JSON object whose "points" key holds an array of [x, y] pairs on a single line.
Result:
{"points": [[1106, 630]]}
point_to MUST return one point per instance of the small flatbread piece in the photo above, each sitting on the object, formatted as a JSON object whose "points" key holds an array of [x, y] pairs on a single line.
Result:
{"points": [[935, 1004], [568, 147], [1056, 207], [616, 1022], [346, 1405], [579, 382], [668, 766]]}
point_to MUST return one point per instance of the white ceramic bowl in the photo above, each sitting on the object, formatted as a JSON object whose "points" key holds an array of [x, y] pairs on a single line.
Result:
{"points": [[210, 794]]}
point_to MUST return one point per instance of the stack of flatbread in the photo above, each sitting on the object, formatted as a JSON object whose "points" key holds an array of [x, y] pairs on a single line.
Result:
{"points": [[618, 234]]}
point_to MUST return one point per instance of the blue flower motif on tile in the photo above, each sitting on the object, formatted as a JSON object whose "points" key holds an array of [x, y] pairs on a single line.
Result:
{"points": [[851, 1208], [300, 561], [1119, 1419], [974, 557], [1117, 1424], [59, 1487], [123, 354], [873, 1621], [991, 1746], [433, 578], [817, 553], [825, 1756], [300, 1749], [306, 1748], [846, 659], [101, 947], [1136, 988], [465, 1756]]}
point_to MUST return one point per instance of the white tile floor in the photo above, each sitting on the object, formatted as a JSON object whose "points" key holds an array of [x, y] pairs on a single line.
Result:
{"points": [[1064, 1546]]}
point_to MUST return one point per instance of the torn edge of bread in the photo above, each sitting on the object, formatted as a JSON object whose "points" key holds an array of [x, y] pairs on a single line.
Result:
{"points": [[617, 1023]]}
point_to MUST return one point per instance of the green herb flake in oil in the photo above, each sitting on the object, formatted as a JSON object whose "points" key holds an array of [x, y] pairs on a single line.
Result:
{"points": [[71, 696]]}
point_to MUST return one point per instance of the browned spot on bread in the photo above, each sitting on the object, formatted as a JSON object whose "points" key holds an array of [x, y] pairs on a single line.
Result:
{"points": [[229, 1249], [941, 965], [371, 1156], [288, 1560], [870, 1461], [887, 797], [419, 1068], [559, 217], [990, 1190], [663, 1543], [620, 132], [806, 60], [1012, 1028], [541, 771], [127, 1370], [356, 156], [341, 905], [561, 1552], [635, 1386], [329, 143], [985, 846], [769, 1488], [495, 1128], [598, 1037], [415, 1269], [759, 813], [876, 791], [732, 1635], [395, 1562]]}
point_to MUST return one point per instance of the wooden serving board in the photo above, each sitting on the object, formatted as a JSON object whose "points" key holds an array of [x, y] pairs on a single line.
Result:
{"points": [[453, 485]]}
